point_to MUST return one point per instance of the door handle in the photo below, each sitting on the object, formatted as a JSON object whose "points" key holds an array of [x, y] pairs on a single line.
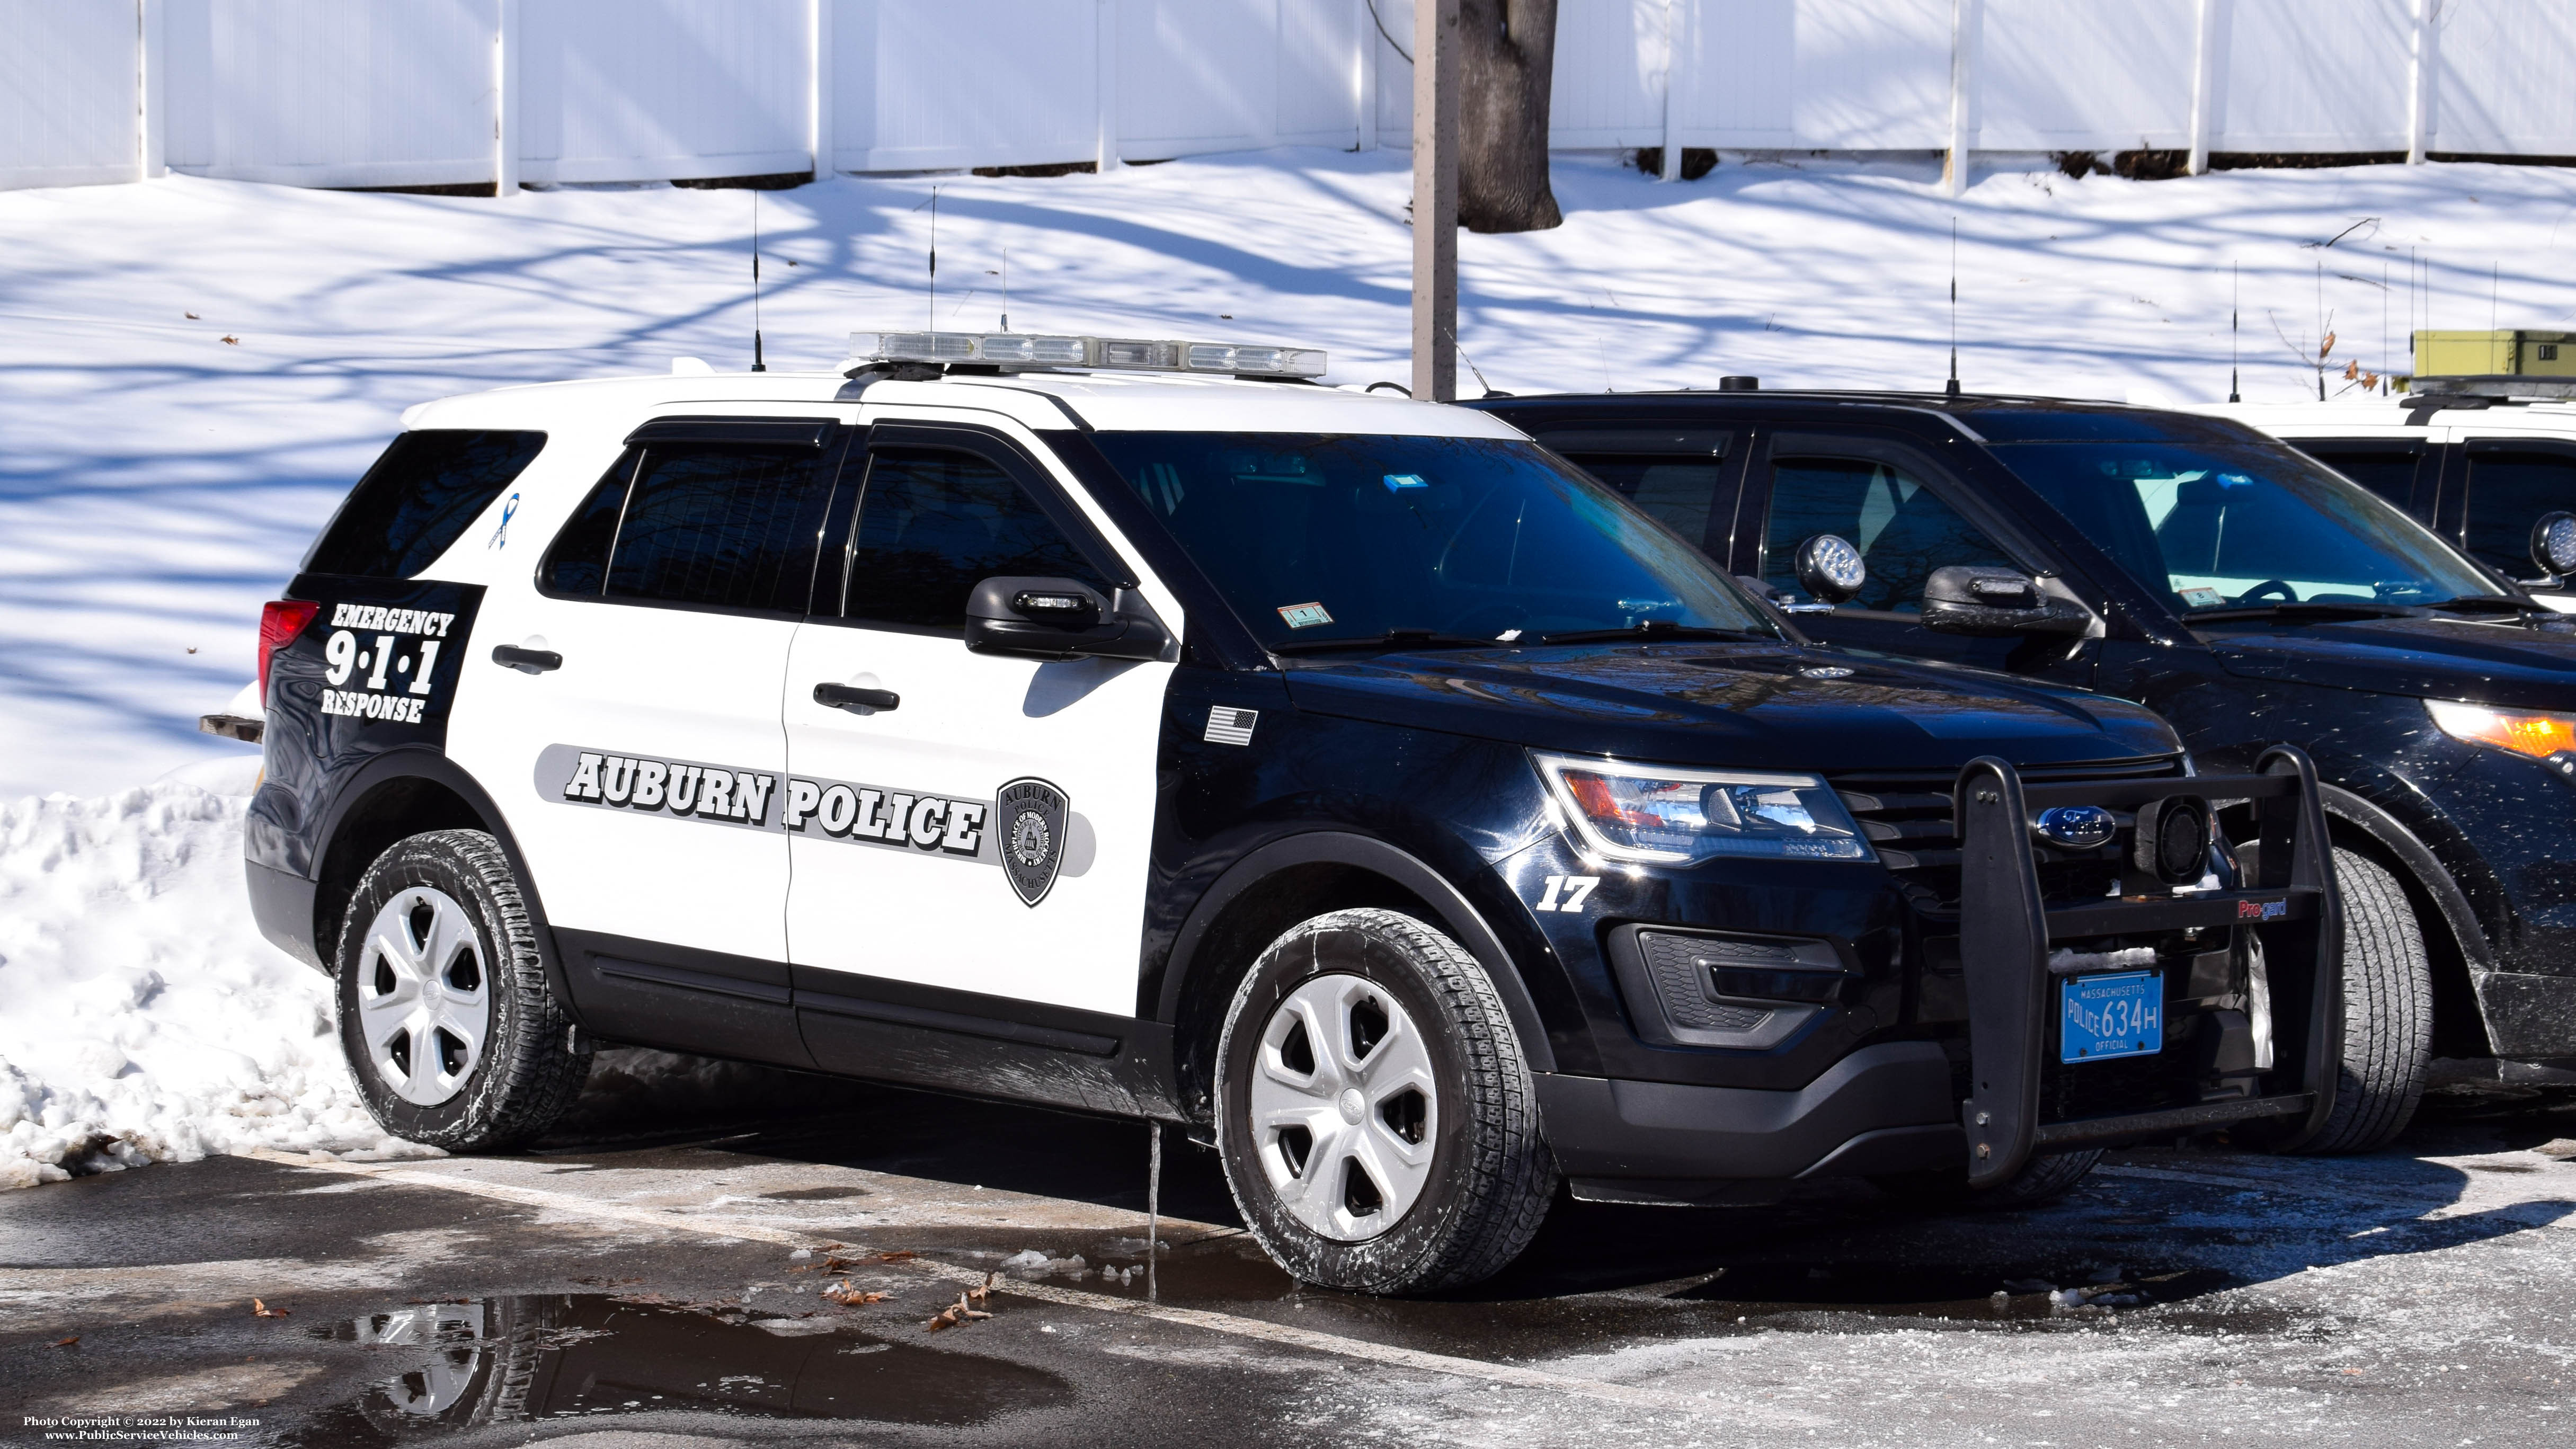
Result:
{"points": [[843, 696], [526, 661]]}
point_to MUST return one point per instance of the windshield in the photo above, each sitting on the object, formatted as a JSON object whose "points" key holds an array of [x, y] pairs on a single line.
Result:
{"points": [[1321, 538], [2219, 526]]}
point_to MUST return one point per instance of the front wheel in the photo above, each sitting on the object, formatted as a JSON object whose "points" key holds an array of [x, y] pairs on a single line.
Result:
{"points": [[1375, 1115], [2387, 1012], [451, 1031]]}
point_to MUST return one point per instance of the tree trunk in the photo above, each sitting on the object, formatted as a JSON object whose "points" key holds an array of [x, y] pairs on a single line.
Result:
{"points": [[1507, 57]]}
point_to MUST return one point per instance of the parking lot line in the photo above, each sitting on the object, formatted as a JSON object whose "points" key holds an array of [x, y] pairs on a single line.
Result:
{"points": [[1625, 1395]]}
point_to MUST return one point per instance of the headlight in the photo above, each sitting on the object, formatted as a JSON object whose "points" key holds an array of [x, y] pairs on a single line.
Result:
{"points": [[1673, 816], [2548, 738]]}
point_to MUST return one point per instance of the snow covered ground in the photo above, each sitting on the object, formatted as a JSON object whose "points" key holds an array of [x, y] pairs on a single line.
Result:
{"points": [[192, 372]]}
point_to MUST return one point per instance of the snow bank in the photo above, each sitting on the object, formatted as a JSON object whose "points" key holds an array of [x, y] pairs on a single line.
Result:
{"points": [[142, 1016]]}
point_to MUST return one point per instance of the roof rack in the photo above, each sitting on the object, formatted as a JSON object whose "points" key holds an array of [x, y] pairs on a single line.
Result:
{"points": [[1023, 351]]}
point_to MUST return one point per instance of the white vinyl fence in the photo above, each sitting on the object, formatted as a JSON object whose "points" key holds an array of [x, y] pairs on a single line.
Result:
{"points": [[443, 92]]}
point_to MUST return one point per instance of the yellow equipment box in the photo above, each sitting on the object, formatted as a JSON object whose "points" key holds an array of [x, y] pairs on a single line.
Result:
{"points": [[2495, 354]]}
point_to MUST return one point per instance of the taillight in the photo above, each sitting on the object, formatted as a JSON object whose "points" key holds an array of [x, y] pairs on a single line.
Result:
{"points": [[279, 622]]}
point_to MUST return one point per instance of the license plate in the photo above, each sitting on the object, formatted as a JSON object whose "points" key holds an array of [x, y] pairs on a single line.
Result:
{"points": [[2111, 1016]]}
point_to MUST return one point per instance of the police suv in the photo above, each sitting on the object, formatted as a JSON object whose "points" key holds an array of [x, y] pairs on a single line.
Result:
{"points": [[1143, 728]]}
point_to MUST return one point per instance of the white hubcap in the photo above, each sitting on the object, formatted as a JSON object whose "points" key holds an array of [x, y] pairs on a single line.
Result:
{"points": [[1344, 1109], [424, 997]]}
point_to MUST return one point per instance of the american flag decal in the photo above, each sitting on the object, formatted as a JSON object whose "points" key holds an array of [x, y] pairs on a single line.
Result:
{"points": [[1230, 726]]}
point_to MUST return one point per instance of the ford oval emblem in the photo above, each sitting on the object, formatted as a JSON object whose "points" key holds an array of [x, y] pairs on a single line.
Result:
{"points": [[2077, 827]]}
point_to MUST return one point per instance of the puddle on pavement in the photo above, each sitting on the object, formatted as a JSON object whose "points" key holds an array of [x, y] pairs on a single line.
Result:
{"points": [[534, 1358]]}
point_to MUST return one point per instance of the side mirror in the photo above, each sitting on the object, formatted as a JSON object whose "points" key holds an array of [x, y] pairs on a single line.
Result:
{"points": [[2553, 543], [1046, 618], [1995, 603], [1829, 568]]}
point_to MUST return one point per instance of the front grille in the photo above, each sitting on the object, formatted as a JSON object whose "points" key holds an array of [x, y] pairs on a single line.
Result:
{"points": [[1908, 816]]}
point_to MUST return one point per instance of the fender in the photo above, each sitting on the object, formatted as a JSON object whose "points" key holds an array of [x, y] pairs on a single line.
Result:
{"points": [[1456, 914], [2427, 868], [426, 763]]}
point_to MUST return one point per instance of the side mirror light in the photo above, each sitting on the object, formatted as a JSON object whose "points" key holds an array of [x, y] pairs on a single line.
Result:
{"points": [[1044, 618], [1829, 568], [1977, 600], [2553, 543]]}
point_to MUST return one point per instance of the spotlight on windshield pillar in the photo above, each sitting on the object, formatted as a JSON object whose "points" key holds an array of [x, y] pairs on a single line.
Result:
{"points": [[1830, 568], [2553, 543]]}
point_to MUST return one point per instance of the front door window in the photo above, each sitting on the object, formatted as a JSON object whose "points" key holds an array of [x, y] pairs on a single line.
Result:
{"points": [[1881, 506]]}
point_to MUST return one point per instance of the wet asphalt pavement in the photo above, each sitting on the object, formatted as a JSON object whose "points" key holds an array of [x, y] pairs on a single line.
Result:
{"points": [[618, 1290]]}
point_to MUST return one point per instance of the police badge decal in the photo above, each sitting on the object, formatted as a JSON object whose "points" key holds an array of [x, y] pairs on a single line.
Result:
{"points": [[1031, 815]]}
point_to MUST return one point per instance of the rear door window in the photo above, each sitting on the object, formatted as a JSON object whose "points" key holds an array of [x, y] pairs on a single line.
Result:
{"points": [[2511, 487], [420, 496], [717, 525], [2385, 466], [1673, 475]]}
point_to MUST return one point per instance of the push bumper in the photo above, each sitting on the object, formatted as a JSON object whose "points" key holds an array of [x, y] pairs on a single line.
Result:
{"points": [[2006, 929], [1892, 1107]]}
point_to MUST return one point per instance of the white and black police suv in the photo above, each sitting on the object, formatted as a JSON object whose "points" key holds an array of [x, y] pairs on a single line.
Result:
{"points": [[1143, 728]]}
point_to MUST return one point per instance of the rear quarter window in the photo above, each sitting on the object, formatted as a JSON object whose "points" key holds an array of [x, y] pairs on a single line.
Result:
{"points": [[429, 486]]}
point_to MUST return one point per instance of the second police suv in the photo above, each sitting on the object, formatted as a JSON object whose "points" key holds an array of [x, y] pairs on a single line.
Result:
{"points": [[1142, 728]]}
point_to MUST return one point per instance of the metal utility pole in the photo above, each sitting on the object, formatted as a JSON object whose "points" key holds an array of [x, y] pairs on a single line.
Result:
{"points": [[1435, 200]]}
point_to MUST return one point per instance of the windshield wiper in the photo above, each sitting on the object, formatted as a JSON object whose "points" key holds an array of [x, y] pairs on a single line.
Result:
{"points": [[1391, 639], [2489, 604], [2325, 608], [1654, 630]]}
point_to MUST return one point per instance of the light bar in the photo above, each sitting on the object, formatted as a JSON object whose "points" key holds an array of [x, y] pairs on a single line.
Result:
{"points": [[1131, 354]]}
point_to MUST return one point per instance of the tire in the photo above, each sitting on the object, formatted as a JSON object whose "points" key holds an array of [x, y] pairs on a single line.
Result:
{"points": [[1422, 1166], [450, 1029], [2041, 1180], [2387, 1012]]}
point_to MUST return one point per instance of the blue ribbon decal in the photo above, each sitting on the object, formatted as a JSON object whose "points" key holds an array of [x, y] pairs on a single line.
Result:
{"points": [[501, 535]]}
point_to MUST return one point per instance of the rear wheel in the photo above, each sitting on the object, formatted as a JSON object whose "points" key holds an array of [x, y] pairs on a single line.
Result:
{"points": [[1375, 1114], [451, 1031], [2387, 1012]]}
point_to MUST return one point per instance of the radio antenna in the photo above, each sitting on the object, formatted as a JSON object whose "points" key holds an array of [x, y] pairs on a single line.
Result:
{"points": [[1006, 289], [757, 364], [1953, 389], [2232, 307], [933, 204]]}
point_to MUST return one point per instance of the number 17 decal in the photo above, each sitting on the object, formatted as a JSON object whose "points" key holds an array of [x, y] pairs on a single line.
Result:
{"points": [[1577, 889]]}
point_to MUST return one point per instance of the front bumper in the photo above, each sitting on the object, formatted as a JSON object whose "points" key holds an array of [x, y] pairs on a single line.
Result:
{"points": [[1883, 1109], [2529, 1017], [1898, 1106]]}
